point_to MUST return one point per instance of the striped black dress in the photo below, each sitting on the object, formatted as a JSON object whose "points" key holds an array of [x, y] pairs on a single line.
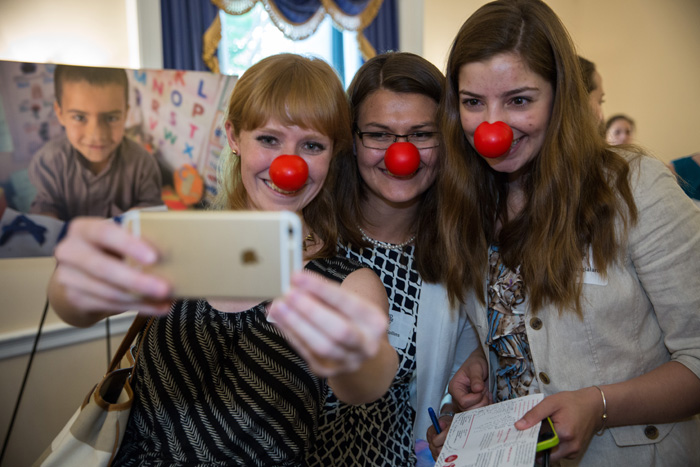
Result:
{"points": [[217, 388]]}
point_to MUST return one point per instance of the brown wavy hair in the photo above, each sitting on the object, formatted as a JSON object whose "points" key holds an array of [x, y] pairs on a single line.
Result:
{"points": [[587, 71], [300, 91], [576, 188], [400, 72]]}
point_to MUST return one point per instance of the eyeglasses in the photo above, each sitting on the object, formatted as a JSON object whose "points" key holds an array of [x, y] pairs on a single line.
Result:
{"points": [[382, 140]]}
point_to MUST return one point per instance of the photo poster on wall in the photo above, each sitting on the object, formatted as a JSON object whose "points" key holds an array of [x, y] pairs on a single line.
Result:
{"points": [[176, 115], [179, 114]]}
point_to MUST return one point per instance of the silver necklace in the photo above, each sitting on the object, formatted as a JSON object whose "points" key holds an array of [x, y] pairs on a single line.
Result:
{"points": [[387, 245]]}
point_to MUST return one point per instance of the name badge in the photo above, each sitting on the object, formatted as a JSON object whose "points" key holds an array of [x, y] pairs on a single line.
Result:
{"points": [[591, 274], [400, 329]]}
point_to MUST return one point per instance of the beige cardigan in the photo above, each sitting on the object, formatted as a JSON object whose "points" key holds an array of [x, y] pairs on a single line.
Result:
{"points": [[645, 314]]}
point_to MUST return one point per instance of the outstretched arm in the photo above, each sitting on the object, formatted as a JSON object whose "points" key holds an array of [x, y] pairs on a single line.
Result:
{"points": [[341, 331]]}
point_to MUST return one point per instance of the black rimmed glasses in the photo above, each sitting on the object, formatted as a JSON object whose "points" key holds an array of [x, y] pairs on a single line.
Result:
{"points": [[382, 140]]}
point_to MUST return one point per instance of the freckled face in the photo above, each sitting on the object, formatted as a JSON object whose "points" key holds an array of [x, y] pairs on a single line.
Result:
{"points": [[94, 119], [259, 147], [385, 111], [504, 88]]}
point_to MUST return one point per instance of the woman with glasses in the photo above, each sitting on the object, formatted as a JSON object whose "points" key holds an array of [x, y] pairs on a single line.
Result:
{"points": [[386, 221]]}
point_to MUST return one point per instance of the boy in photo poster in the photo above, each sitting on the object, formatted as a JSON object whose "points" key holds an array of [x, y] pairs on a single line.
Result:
{"points": [[93, 169]]}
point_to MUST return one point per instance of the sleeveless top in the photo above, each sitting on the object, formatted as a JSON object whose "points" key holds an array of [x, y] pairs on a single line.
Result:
{"points": [[214, 388], [379, 433]]}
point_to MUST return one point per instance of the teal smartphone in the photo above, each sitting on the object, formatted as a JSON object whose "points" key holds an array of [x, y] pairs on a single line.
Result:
{"points": [[548, 437]]}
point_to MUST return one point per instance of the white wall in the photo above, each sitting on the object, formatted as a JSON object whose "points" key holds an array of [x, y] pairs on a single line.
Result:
{"points": [[69, 31], [68, 363], [120, 33]]}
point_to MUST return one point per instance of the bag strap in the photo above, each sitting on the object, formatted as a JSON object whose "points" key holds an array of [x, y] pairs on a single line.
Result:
{"points": [[136, 326], [138, 350]]}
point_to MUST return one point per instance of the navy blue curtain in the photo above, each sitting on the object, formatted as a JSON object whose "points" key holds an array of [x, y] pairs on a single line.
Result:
{"points": [[299, 11], [184, 23], [383, 32]]}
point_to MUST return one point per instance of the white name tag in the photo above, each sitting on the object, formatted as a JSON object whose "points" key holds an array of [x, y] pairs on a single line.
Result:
{"points": [[400, 329], [591, 275]]}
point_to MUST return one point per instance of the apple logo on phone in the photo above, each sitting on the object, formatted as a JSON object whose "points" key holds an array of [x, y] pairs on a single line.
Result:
{"points": [[250, 257]]}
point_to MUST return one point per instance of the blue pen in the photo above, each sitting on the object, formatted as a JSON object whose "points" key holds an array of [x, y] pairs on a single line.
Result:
{"points": [[433, 417]]}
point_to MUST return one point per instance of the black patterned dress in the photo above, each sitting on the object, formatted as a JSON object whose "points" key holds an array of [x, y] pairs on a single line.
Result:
{"points": [[380, 433], [217, 388]]}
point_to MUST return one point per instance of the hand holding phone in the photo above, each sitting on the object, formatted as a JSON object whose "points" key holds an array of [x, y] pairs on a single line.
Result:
{"points": [[547, 438], [222, 254]]}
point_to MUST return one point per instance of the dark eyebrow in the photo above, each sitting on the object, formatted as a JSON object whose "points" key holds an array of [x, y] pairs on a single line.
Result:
{"points": [[111, 112], [380, 127], [519, 90], [512, 92], [470, 94]]}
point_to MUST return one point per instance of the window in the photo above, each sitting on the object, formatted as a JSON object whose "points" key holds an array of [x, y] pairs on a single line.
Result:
{"points": [[247, 38]]}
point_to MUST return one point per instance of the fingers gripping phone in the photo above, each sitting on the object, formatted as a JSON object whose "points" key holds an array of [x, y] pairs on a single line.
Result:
{"points": [[547, 438], [222, 254]]}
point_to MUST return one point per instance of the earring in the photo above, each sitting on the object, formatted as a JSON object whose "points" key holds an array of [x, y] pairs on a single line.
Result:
{"points": [[235, 154]]}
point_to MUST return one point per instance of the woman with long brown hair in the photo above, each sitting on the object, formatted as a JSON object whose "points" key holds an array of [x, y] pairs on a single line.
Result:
{"points": [[584, 260]]}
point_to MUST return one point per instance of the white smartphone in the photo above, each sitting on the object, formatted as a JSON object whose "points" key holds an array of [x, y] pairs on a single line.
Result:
{"points": [[222, 254]]}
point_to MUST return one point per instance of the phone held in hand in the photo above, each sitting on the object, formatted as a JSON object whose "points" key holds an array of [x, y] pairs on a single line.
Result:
{"points": [[547, 438], [222, 254]]}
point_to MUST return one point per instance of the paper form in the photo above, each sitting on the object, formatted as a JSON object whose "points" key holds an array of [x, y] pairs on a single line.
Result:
{"points": [[486, 437]]}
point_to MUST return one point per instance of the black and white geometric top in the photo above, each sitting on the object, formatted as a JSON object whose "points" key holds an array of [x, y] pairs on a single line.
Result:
{"points": [[380, 433], [215, 388]]}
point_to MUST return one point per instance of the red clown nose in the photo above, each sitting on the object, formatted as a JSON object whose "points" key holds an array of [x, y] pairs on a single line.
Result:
{"points": [[289, 172], [493, 140], [402, 159]]}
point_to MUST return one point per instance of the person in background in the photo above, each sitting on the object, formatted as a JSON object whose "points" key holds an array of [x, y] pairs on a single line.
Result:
{"points": [[93, 169], [387, 222], [217, 383], [687, 171], [619, 129], [594, 86], [584, 259]]}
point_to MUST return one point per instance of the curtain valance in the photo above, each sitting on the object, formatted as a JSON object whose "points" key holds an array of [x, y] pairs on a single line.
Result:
{"points": [[298, 19]]}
